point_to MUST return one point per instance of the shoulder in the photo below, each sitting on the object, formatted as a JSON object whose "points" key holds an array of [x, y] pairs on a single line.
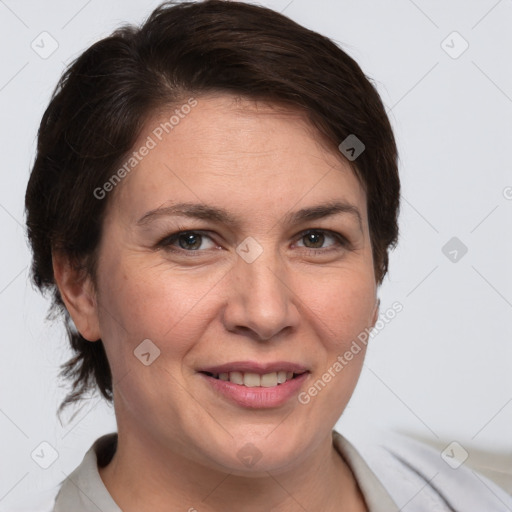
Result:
{"points": [[69, 494], [419, 477]]}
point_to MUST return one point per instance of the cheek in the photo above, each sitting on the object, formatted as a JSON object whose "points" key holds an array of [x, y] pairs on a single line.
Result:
{"points": [[341, 310], [139, 302], [153, 303], [343, 306]]}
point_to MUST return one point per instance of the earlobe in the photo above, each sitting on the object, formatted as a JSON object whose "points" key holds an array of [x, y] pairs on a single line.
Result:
{"points": [[375, 314], [78, 294]]}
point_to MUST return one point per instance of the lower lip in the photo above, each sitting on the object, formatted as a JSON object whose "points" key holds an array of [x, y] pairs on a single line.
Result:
{"points": [[257, 397]]}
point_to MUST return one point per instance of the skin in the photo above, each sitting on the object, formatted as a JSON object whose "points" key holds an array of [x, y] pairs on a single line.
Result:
{"points": [[301, 300]]}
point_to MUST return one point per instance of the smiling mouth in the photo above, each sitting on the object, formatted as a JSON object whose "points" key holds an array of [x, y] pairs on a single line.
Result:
{"points": [[252, 380]]}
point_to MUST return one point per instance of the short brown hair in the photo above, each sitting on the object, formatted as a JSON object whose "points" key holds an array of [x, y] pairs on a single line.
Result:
{"points": [[99, 106]]}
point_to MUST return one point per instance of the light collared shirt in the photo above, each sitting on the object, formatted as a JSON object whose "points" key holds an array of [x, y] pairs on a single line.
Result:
{"points": [[394, 474]]}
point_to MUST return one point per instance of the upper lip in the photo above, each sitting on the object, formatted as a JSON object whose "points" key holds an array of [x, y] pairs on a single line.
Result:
{"points": [[255, 367]]}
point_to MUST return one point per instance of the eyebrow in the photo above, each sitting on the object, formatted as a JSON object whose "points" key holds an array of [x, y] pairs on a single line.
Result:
{"points": [[220, 215]]}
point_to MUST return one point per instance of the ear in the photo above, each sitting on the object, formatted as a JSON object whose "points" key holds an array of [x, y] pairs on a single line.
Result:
{"points": [[78, 294], [375, 314]]}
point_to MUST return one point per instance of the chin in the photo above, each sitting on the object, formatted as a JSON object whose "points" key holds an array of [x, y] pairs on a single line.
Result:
{"points": [[253, 455]]}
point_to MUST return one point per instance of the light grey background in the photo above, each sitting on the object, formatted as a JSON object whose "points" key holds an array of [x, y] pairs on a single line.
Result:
{"points": [[441, 370]]}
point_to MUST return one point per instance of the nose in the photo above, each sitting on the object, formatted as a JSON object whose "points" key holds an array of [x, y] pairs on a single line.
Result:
{"points": [[260, 299]]}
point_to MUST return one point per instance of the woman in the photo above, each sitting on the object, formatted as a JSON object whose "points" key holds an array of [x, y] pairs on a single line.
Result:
{"points": [[212, 205]]}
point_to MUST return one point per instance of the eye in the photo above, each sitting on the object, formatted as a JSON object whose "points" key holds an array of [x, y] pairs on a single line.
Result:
{"points": [[196, 241], [314, 239], [189, 241]]}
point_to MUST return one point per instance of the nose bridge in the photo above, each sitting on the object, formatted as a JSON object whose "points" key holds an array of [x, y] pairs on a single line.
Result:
{"points": [[260, 298]]}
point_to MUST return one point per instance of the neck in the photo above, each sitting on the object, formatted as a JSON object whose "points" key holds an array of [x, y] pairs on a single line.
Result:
{"points": [[143, 477]]}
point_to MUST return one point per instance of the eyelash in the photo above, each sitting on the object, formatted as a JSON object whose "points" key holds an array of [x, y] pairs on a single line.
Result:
{"points": [[341, 242]]}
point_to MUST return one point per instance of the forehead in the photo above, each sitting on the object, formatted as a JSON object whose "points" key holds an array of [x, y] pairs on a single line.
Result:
{"points": [[238, 152]]}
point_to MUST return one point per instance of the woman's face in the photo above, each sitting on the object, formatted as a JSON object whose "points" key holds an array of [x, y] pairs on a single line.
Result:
{"points": [[246, 288]]}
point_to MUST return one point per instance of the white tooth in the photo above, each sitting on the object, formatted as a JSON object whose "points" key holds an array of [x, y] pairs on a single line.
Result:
{"points": [[289, 375], [224, 376], [281, 377], [269, 379], [236, 377], [251, 380]]}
